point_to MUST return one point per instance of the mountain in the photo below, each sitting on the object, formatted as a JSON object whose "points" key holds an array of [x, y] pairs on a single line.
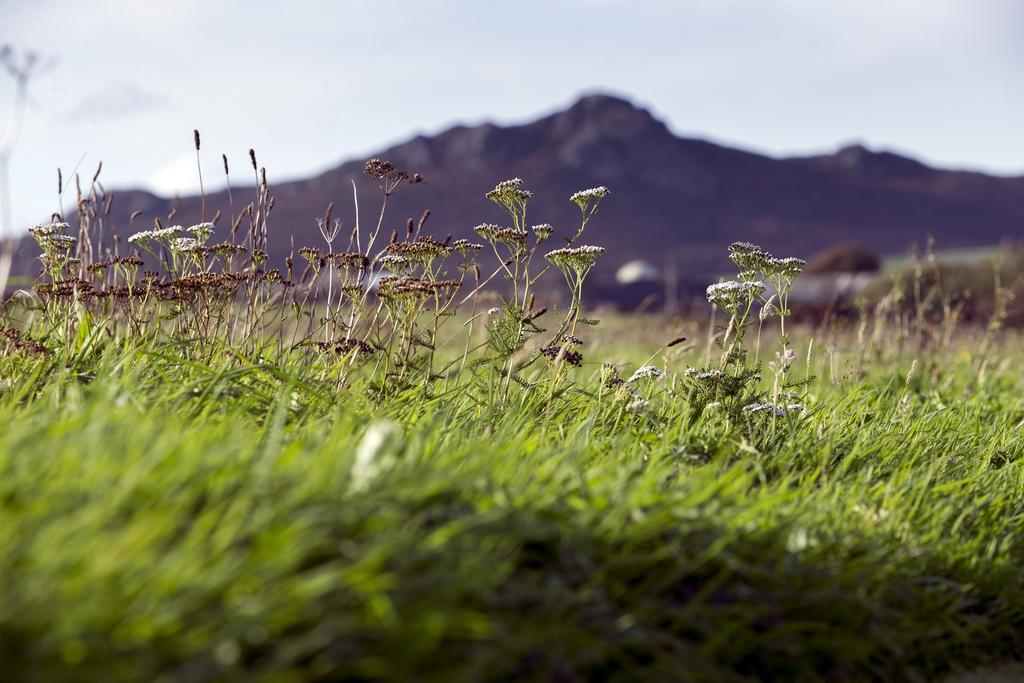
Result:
{"points": [[672, 197]]}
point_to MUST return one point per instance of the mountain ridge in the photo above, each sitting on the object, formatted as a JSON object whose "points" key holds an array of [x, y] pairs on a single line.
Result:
{"points": [[683, 196]]}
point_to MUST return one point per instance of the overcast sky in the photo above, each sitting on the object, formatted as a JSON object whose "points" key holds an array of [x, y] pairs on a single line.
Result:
{"points": [[311, 83]]}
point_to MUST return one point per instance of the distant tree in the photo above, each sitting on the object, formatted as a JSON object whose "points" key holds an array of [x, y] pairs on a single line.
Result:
{"points": [[849, 257]]}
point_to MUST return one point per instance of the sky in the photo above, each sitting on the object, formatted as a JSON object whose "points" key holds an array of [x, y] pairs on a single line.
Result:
{"points": [[311, 83]]}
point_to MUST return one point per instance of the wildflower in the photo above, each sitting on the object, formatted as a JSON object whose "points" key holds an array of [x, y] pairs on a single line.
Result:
{"points": [[704, 375], [542, 232], [729, 295], [184, 244], [201, 231], [584, 198], [645, 372], [563, 353], [407, 288], [375, 168], [226, 250], [146, 236], [578, 259], [773, 408], [787, 268], [47, 229], [422, 252], [311, 254], [354, 292], [464, 247], [346, 260], [394, 263], [509, 194], [344, 347], [57, 242], [750, 258], [272, 276], [610, 376], [496, 233]]}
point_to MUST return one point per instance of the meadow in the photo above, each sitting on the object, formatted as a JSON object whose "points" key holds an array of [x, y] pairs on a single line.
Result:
{"points": [[366, 465]]}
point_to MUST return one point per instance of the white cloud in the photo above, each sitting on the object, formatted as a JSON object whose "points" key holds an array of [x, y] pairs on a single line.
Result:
{"points": [[177, 177], [117, 100]]}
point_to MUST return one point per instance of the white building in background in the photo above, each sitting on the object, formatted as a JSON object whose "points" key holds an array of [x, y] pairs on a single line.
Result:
{"points": [[637, 271]]}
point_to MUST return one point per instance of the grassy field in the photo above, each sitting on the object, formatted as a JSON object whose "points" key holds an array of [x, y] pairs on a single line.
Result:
{"points": [[163, 517], [220, 474]]}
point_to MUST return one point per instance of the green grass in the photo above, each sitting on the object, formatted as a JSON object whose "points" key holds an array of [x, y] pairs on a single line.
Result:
{"points": [[169, 519]]}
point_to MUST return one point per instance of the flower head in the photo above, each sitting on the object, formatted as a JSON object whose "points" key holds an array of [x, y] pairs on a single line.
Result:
{"points": [[465, 247], [422, 252], [776, 409], [496, 233], [51, 239], [509, 193], [590, 197], [750, 258], [349, 260], [787, 268], [729, 296], [146, 236], [311, 255], [201, 232], [708, 376], [394, 263], [578, 259], [184, 245], [60, 241], [542, 232], [646, 372], [47, 229]]}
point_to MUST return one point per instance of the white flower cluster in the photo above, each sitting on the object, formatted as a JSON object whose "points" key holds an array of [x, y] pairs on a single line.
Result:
{"points": [[752, 259], [52, 240], [543, 231], [495, 233], [183, 244], [694, 373], [729, 295], [509, 192], [787, 267], [574, 258], [146, 236], [465, 246], [593, 194], [61, 241], [773, 409], [201, 231], [393, 262], [646, 372], [47, 229]]}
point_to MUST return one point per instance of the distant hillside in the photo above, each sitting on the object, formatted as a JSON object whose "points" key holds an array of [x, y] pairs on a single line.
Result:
{"points": [[671, 197]]}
